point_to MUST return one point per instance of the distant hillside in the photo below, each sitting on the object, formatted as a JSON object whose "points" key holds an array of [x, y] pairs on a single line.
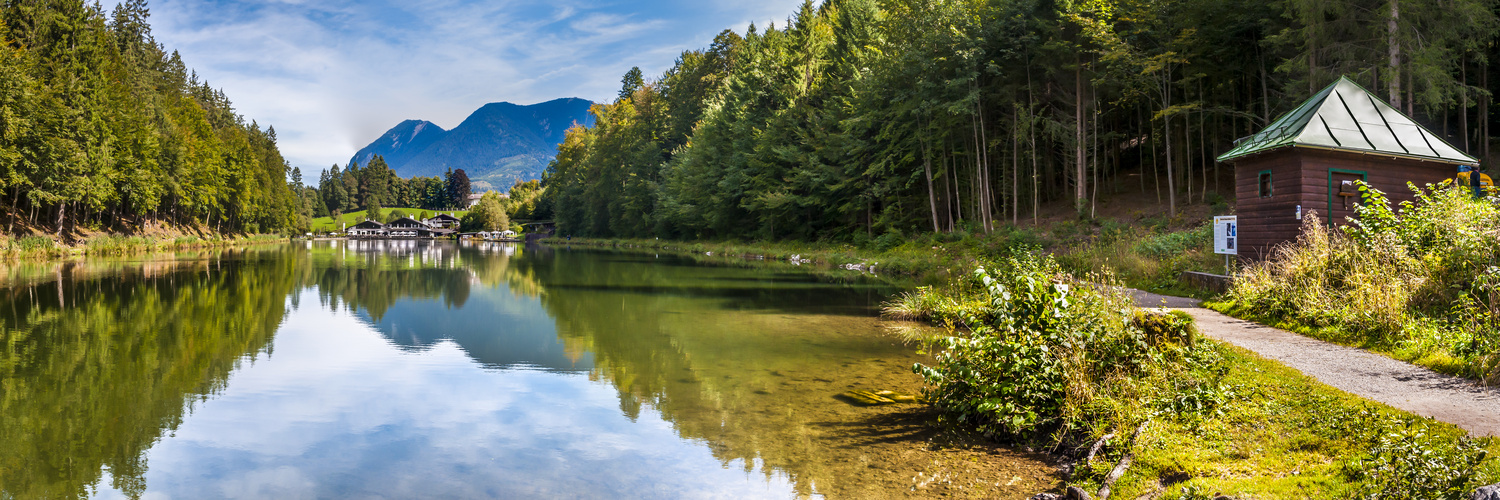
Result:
{"points": [[497, 145]]}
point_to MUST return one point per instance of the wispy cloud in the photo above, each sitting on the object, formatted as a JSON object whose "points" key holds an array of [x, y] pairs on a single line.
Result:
{"points": [[331, 75]]}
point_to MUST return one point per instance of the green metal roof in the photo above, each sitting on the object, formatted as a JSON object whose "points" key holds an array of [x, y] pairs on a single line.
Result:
{"points": [[1344, 116]]}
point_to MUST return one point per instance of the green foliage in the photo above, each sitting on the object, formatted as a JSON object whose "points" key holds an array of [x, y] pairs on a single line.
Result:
{"points": [[891, 239], [330, 224], [1046, 353], [105, 128], [1050, 358], [1147, 258], [489, 215], [1166, 245], [1170, 326], [1408, 462], [856, 118], [1418, 281]]}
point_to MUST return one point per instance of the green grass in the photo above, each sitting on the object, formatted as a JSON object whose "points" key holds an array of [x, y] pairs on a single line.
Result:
{"points": [[328, 224], [1429, 350], [1148, 258], [1282, 434], [1221, 420], [1420, 283], [45, 247]]}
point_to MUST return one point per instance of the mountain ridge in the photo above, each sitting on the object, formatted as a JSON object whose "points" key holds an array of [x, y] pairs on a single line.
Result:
{"points": [[497, 145]]}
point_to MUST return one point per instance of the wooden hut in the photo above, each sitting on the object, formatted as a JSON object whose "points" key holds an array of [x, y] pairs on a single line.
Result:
{"points": [[1308, 160]]}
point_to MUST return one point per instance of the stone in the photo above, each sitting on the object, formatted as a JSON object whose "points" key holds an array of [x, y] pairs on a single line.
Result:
{"points": [[1076, 493], [1491, 492], [872, 398], [866, 398], [1045, 496]]}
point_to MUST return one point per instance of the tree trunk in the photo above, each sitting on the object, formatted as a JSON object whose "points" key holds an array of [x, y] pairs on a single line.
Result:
{"points": [[1094, 156], [1036, 186], [984, 155], [1203, 144], [931, 195], [1080, 159], [1312, 62], [1484, 113], [1015, 166], [15, 211], [947, 191], [1166, 85], [1463, 100], [1265, 93], [958, 199], [1392, 27], [978, 176], [61, 213]]}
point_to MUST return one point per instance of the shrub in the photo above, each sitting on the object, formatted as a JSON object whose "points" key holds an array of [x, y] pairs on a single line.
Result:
{"points": [[1046, 352], [1146, 258], [1407, 462], [1170, 244], [891, 239]]}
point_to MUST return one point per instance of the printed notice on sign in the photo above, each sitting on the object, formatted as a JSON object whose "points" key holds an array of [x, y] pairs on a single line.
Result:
{"points": [[1226, 235]]}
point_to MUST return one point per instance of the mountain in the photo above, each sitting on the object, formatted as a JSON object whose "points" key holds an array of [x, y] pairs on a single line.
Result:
{"points": [[497, 145], [402, 143]]}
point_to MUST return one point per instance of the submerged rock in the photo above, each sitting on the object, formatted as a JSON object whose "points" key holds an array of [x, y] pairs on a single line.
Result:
{"points": [[1076, 493], [866, 398], [872, 398]]}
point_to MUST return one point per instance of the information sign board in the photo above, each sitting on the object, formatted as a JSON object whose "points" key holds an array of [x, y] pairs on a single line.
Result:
{"points": [[1226, 235]]}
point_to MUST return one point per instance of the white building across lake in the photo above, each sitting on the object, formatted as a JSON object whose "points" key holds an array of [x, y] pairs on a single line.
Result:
{"points": [[406, 227]]}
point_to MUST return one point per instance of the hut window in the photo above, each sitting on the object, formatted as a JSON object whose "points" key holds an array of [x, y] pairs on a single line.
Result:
{"points": [[1265, 184]]}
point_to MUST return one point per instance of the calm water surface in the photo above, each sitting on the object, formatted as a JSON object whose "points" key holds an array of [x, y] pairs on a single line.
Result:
{"points": [[429, 370]]}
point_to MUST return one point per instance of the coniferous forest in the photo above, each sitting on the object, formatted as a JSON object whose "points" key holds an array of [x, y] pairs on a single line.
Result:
{"points": [[856, 118], [103, 127]]}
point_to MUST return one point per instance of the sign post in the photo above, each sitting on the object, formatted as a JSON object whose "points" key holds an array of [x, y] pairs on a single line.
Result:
{"points": [[1226, 238]]}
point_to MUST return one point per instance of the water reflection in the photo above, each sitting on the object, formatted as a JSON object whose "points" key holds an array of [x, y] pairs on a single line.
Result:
{"points": [[421, 369]]}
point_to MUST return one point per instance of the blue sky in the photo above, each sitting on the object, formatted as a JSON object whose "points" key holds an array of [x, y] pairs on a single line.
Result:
{"points": [[331, 75]]}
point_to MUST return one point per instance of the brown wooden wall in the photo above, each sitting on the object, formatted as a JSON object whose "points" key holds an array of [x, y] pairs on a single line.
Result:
{"points": [[1301, 176], [1265, 222]]}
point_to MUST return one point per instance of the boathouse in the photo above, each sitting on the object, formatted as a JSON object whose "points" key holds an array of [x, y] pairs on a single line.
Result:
{"points": [[1308, 160]]}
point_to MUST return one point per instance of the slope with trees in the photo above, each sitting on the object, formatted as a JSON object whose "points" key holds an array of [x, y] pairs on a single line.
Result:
{"points": [[860, 118], [101, 127]]}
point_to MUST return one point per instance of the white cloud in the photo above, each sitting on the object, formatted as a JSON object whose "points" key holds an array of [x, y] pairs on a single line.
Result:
{"points": [[331, 75]]}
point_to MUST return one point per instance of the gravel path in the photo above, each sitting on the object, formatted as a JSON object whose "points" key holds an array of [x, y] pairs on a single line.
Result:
{"points": [[1412, 388]]}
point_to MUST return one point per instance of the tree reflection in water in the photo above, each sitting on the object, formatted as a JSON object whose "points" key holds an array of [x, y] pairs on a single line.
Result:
{"points": [[103, 360]]}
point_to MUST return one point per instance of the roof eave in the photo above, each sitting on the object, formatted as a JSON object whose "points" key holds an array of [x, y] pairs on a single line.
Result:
{"points": [[1449, 161]]}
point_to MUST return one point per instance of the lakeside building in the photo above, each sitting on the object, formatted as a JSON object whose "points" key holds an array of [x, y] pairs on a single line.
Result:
{"points": [[443, 221], [404, 227], [1310, 159], [366, 229]]}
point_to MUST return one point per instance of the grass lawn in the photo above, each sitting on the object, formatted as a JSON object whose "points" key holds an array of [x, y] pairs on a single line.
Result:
{"points": [[1275, 433], [328, 224]]}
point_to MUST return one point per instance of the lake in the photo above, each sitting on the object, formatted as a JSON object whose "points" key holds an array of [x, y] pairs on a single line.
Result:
{"points": [[417, 369]]}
